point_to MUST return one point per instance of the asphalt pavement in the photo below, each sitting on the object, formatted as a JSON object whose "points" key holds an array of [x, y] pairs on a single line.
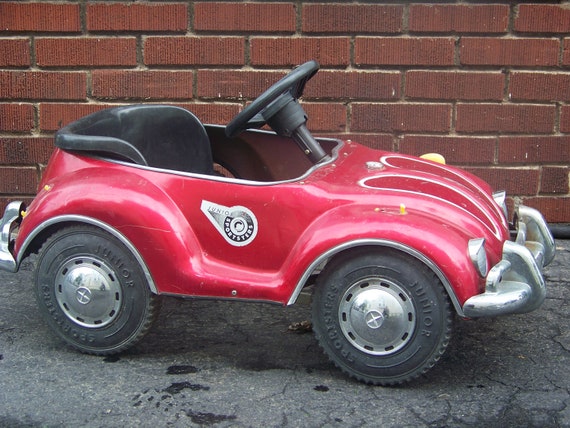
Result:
{"points": [[225, 364]]}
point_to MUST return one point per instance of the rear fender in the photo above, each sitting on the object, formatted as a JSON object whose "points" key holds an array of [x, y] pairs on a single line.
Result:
{"points": [[134, 210]]}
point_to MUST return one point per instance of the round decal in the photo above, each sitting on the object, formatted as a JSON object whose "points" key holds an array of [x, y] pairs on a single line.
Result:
{"points": [[237, 224]]}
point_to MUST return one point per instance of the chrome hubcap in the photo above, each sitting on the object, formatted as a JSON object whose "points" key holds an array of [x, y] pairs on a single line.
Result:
{"points": [[88, 292], [377, 316]]}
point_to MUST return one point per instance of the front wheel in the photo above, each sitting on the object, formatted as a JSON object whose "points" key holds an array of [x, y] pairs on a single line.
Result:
{"points": [[381, 316], [92, 291]]}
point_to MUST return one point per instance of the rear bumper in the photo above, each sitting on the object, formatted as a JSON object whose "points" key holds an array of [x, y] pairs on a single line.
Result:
{"points": [[515, 284], [11, 219]]}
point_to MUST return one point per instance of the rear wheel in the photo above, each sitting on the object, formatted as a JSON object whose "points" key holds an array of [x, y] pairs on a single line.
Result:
{"points": [[382, 316], [92, 291]]}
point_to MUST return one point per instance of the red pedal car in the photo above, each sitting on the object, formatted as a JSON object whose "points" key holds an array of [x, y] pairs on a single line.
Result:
{"points": [[142, 201]]}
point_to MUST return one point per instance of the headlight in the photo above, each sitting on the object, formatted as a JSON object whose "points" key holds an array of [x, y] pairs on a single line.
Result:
{"points": [[500, 199], [478, 255]]}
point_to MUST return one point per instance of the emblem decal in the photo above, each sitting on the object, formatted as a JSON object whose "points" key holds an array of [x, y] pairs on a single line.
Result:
{"points": [[237, 224]]}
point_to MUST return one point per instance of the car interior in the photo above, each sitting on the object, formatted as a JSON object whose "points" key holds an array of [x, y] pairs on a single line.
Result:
{"points": [[172, 138]]}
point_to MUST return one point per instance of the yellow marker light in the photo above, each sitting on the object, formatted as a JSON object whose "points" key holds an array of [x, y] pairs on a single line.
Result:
{"points": [[23, 213], [47, 187], [403, 209], [434, 157]]}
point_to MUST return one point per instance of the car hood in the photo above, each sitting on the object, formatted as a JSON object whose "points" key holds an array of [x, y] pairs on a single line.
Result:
{"points": [[454, 195]]}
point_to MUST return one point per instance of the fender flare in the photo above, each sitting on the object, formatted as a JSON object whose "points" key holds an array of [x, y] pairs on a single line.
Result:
{"points": [[80, 219], [381, 243]]}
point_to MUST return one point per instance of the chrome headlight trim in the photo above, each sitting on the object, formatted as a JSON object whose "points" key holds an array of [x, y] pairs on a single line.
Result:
{"points": [[478, 256], [500, 198]]}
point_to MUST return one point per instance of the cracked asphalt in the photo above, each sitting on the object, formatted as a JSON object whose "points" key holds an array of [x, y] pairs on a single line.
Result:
{"points": [[209, 363]]}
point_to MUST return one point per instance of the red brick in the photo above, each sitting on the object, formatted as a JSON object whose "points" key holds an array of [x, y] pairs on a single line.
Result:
{"points": [[54, 116], [566, 52], [397, 118], [554, 209], [534, 150], [40, 17], [515, 181], [438, 51], [456, 150], [326, 117], [361, 19], [554, 180], [194, 51], [14, 52], [383, 142], [510, 118], [290, 51], [137, 17], [17, 117], [565, 119], [375, 141], [351, 85], [25, 150], [231, 17], [18, 181], [97, 51], [42, 85], [214, 113], [241, 85], [143, 85], [520, 51], [459, 18], [451, 85], [537, 86], [537, 18]]}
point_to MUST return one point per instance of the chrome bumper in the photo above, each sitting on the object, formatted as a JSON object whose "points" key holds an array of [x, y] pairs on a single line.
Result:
{"points": [[515, 284], [11, 218]]}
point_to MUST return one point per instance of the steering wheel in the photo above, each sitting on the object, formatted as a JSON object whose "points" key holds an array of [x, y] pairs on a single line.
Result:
{"points": [[278, 107], [293, 83]]}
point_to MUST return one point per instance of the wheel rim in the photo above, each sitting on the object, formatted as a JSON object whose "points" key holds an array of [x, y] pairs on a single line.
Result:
{"points": [[88, 292], [377, 316]]}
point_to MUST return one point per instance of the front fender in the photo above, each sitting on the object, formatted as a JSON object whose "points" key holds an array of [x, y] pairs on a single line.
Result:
{"points": [[441, 246], [126, 205]]}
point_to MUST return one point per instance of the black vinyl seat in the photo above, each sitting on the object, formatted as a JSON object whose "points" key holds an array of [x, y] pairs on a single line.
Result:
{"points": [[160, 136]]}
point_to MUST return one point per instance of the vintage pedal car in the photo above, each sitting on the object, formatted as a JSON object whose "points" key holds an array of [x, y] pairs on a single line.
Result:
{"points": [[133, 206]]}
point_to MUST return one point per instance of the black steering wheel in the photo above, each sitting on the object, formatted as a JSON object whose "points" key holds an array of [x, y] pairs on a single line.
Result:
{"points": [[278, 107]]}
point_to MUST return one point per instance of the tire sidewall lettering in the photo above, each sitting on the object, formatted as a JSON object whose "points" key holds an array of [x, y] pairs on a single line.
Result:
{"points": [[116, 261], [97, 246], [428, 305]]}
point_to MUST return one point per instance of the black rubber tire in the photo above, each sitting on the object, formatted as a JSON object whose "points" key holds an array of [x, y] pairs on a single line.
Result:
{"points": [[92, 291], [359, 293]]}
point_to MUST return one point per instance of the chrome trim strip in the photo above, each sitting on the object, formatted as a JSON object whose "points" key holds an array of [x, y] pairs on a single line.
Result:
{"points": [[386, 161], [377, 243], [496, 230], [97, 223]]}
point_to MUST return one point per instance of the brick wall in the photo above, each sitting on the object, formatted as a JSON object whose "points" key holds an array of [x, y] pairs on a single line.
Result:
{"points": [[487, 85]]}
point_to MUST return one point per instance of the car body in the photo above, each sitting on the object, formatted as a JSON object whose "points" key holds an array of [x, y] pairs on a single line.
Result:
{"points": [[142, 201]]}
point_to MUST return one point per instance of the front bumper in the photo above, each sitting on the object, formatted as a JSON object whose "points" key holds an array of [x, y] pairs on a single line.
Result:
{"points": [[515, 284], [10, 220]]}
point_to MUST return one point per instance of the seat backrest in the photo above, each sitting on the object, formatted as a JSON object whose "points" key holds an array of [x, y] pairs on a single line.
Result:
{"points": [[161, 136]]}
